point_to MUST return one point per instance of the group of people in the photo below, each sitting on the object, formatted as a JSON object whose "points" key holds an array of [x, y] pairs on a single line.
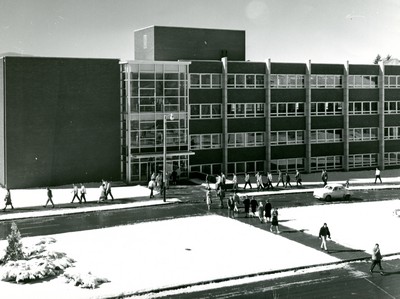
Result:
{"points": [[283, 178]]}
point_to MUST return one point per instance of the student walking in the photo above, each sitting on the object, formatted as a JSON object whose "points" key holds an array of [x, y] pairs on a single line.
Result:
{"points": [[102, 196], [108, 191], [247, 181], [267, 211], [261, 212], [75, 192], [378, 175], [324, 177], [376, 258], [235, 182], [253, 205], [221, 195], [8, 201], [246, 203], [151, 186], [324, 233], [269, 181], [49, 197], [236, 200], [287, 176], [274, 222], [231, 207], [83, 193], [208, 198], [298, 178], [280, 179]]}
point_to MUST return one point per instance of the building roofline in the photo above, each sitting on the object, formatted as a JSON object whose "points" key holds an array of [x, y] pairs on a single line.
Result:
{"points": [[195, 28]]}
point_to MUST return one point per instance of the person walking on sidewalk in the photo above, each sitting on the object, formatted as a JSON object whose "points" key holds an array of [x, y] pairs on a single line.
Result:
{"points": [[151, 186], [231, 207], [269, 181], [275, 222], [83, 192], [246, 203], [8, 201], [75, 192], [247, 181], [324, 233], [280, 178], [261, 212], [324, 177], [108, 191], [236, 202], [259, 181], [253, 206], [378, 175], [287, 176], [102, 196], [376, 258], [49, 197], [298, 178], [208, 198], [267, 211], [221, 195], [235, 182]]}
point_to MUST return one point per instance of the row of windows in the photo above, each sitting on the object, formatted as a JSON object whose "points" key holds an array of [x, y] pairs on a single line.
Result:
{"points": [[205, 81], [392, 107], [246, 139], [246, 81], [363, 134], [392, 158], [205, 111], [326, 162], [363, 160], [205, 141], [287, 137], [392, 133], [392, 81], [246, 110], [277, 81], [287, 109], [327, 135], [287, 165], [363, 108], [287, 81], [326, 108]]}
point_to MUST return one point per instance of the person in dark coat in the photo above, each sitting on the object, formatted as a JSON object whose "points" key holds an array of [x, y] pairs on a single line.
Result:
{"points": [[324, 177], [8, 201], [274, 222], [246, 203], [287, 177], [324, 233], [298, 178], [83, 193], [221, 195], [49, 197], [267, 211], [108, 191], [254, 205], [231, 207], [376, 258]]}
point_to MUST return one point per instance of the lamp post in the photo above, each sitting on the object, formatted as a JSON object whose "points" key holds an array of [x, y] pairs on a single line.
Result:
{"points": [[171, 117]]}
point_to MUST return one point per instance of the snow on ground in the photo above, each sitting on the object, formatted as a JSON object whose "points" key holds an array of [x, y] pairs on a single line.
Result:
{"points": [[166, 253], [355, 225]]}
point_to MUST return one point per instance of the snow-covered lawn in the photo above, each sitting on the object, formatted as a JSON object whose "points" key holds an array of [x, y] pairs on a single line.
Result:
{"points": [[355, 225], [166, 253]]}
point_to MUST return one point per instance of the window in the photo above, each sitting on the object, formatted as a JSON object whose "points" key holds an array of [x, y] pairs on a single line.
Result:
{"points": [[392, 81], [287, 81], [327, 135], [392, 158], [205, 81], [363, 134], [363, 160], [205, 141], [326, 108], [326, 81], [205, 111], [246, 81], [287, 109], [392, 133], [392, 107], [363, 108], [287, 165], [287, 137], [248, 139], [245, 110], [361, 81], [326, 162]]}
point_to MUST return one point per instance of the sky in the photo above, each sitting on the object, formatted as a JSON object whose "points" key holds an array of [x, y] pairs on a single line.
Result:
{"points": [[323, 31]]}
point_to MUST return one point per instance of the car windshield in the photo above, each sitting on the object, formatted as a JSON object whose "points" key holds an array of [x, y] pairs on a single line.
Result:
{"points": [[328, 187]]}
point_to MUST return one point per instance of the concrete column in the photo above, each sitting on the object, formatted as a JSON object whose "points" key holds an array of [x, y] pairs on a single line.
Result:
{"points": [[224, 83], [346, 117], [381, 113], [307, 111], [128, 123], [267, 135]]}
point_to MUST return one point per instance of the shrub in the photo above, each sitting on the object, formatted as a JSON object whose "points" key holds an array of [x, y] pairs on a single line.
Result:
{"points": [[83, 279]]}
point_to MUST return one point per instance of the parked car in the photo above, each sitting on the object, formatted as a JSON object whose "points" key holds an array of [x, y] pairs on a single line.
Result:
{"points": [[332, 191]]}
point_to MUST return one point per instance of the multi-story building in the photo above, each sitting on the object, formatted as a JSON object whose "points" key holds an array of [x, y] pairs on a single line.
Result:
{"points": [[194, 91]]}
